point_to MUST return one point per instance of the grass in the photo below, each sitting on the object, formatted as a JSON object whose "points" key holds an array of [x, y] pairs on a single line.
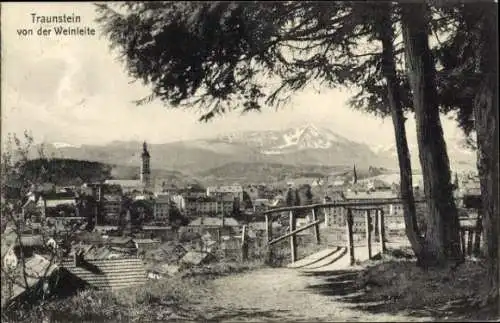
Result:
{"points": [[397, 285], [168, 298]]}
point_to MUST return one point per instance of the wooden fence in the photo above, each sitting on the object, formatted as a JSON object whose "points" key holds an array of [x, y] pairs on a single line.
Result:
{"points": [[372, 230]]}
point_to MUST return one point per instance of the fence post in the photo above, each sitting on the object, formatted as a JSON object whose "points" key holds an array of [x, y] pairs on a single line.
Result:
{"points": [[368, 233], [350, 240], [269, 237], [381, 230], [462, 240], [470, 233], [316, 227], [293, 238], [244, 244]]}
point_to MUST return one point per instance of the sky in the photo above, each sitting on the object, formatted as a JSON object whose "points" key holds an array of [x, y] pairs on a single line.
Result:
{"points": [[71, 89]]}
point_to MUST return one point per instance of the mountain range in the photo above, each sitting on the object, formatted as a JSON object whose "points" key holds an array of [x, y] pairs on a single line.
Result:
{"points": [[305, 145]]}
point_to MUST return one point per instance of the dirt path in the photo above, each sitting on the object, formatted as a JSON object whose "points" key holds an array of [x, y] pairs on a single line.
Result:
{"points": [[284, 295]]}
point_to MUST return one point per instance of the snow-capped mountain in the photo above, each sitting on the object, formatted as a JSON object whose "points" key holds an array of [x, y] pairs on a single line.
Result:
{"points": [[307, 144], [59, 145], [304, 145], [274, 142]]}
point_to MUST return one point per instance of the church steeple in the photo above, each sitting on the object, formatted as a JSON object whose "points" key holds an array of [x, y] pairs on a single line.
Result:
{"points": [[145, 152], [145, 166]]}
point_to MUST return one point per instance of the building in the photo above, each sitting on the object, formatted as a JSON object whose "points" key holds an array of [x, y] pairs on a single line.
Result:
{"points": [[107, 274], [57, 205], [377, 184], [127, 185], [210, 205], [161, 208], [194, 190], [216, 227], [146, 244], [144, 181], [145, 167], [111, 209], [163, 187], [179, 201], [236, 190]]}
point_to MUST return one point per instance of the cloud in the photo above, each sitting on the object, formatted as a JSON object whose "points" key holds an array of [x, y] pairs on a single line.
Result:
{"points": [[72, 89]]}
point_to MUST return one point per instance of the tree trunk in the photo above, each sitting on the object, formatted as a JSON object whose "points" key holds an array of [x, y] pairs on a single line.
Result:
{"points": [[442, 237], [486, 124], [386, 36]]}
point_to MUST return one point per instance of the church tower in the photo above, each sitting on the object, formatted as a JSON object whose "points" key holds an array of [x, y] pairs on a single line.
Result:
{"points": [[145, 166]]}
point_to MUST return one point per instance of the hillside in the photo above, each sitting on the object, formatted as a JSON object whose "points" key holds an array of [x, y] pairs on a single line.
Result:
{"points": [[63, 172], [247, 173], [169, 176]]}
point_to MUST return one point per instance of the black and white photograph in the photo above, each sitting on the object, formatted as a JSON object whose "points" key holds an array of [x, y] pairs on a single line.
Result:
{"points": [[249, 161]]}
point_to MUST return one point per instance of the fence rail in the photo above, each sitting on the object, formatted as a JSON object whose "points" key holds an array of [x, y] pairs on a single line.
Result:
{"points": [[377, 229]]}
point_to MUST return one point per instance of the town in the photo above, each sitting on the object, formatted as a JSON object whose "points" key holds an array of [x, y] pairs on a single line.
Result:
{"points": [[128, 227], [246, 161]]}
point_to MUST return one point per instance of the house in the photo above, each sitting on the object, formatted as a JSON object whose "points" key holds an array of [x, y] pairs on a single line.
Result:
{"points": [[44, 278], [193, 191], [57, 205], [29, 209], [179, 202], [236, 190], [97, 251], [146, 244], [107, 274], [318, 182], [161, 208], [111, 206], [93, 189], [122, 243], [196, 206], [229, 204], [127, 185], [217, 227], [162, 186], [105, 229], [377, 184], [162, 232]]}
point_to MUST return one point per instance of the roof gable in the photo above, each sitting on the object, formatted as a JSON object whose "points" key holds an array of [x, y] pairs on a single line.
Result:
{"points": [[109, 273]]}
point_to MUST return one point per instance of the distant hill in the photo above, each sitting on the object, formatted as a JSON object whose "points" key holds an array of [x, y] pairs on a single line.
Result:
{"points": [[67, 172], [61, 171], [229, 155], [306, 145], [246, 173]]}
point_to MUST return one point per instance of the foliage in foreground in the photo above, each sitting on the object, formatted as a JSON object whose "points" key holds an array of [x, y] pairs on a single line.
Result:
{"points": [[164, 299], [401, 286]]}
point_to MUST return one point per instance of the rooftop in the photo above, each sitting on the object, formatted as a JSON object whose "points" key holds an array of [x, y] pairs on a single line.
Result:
{"points": [[109, 273], [124, 182], [369, 195], [214, 222]]}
